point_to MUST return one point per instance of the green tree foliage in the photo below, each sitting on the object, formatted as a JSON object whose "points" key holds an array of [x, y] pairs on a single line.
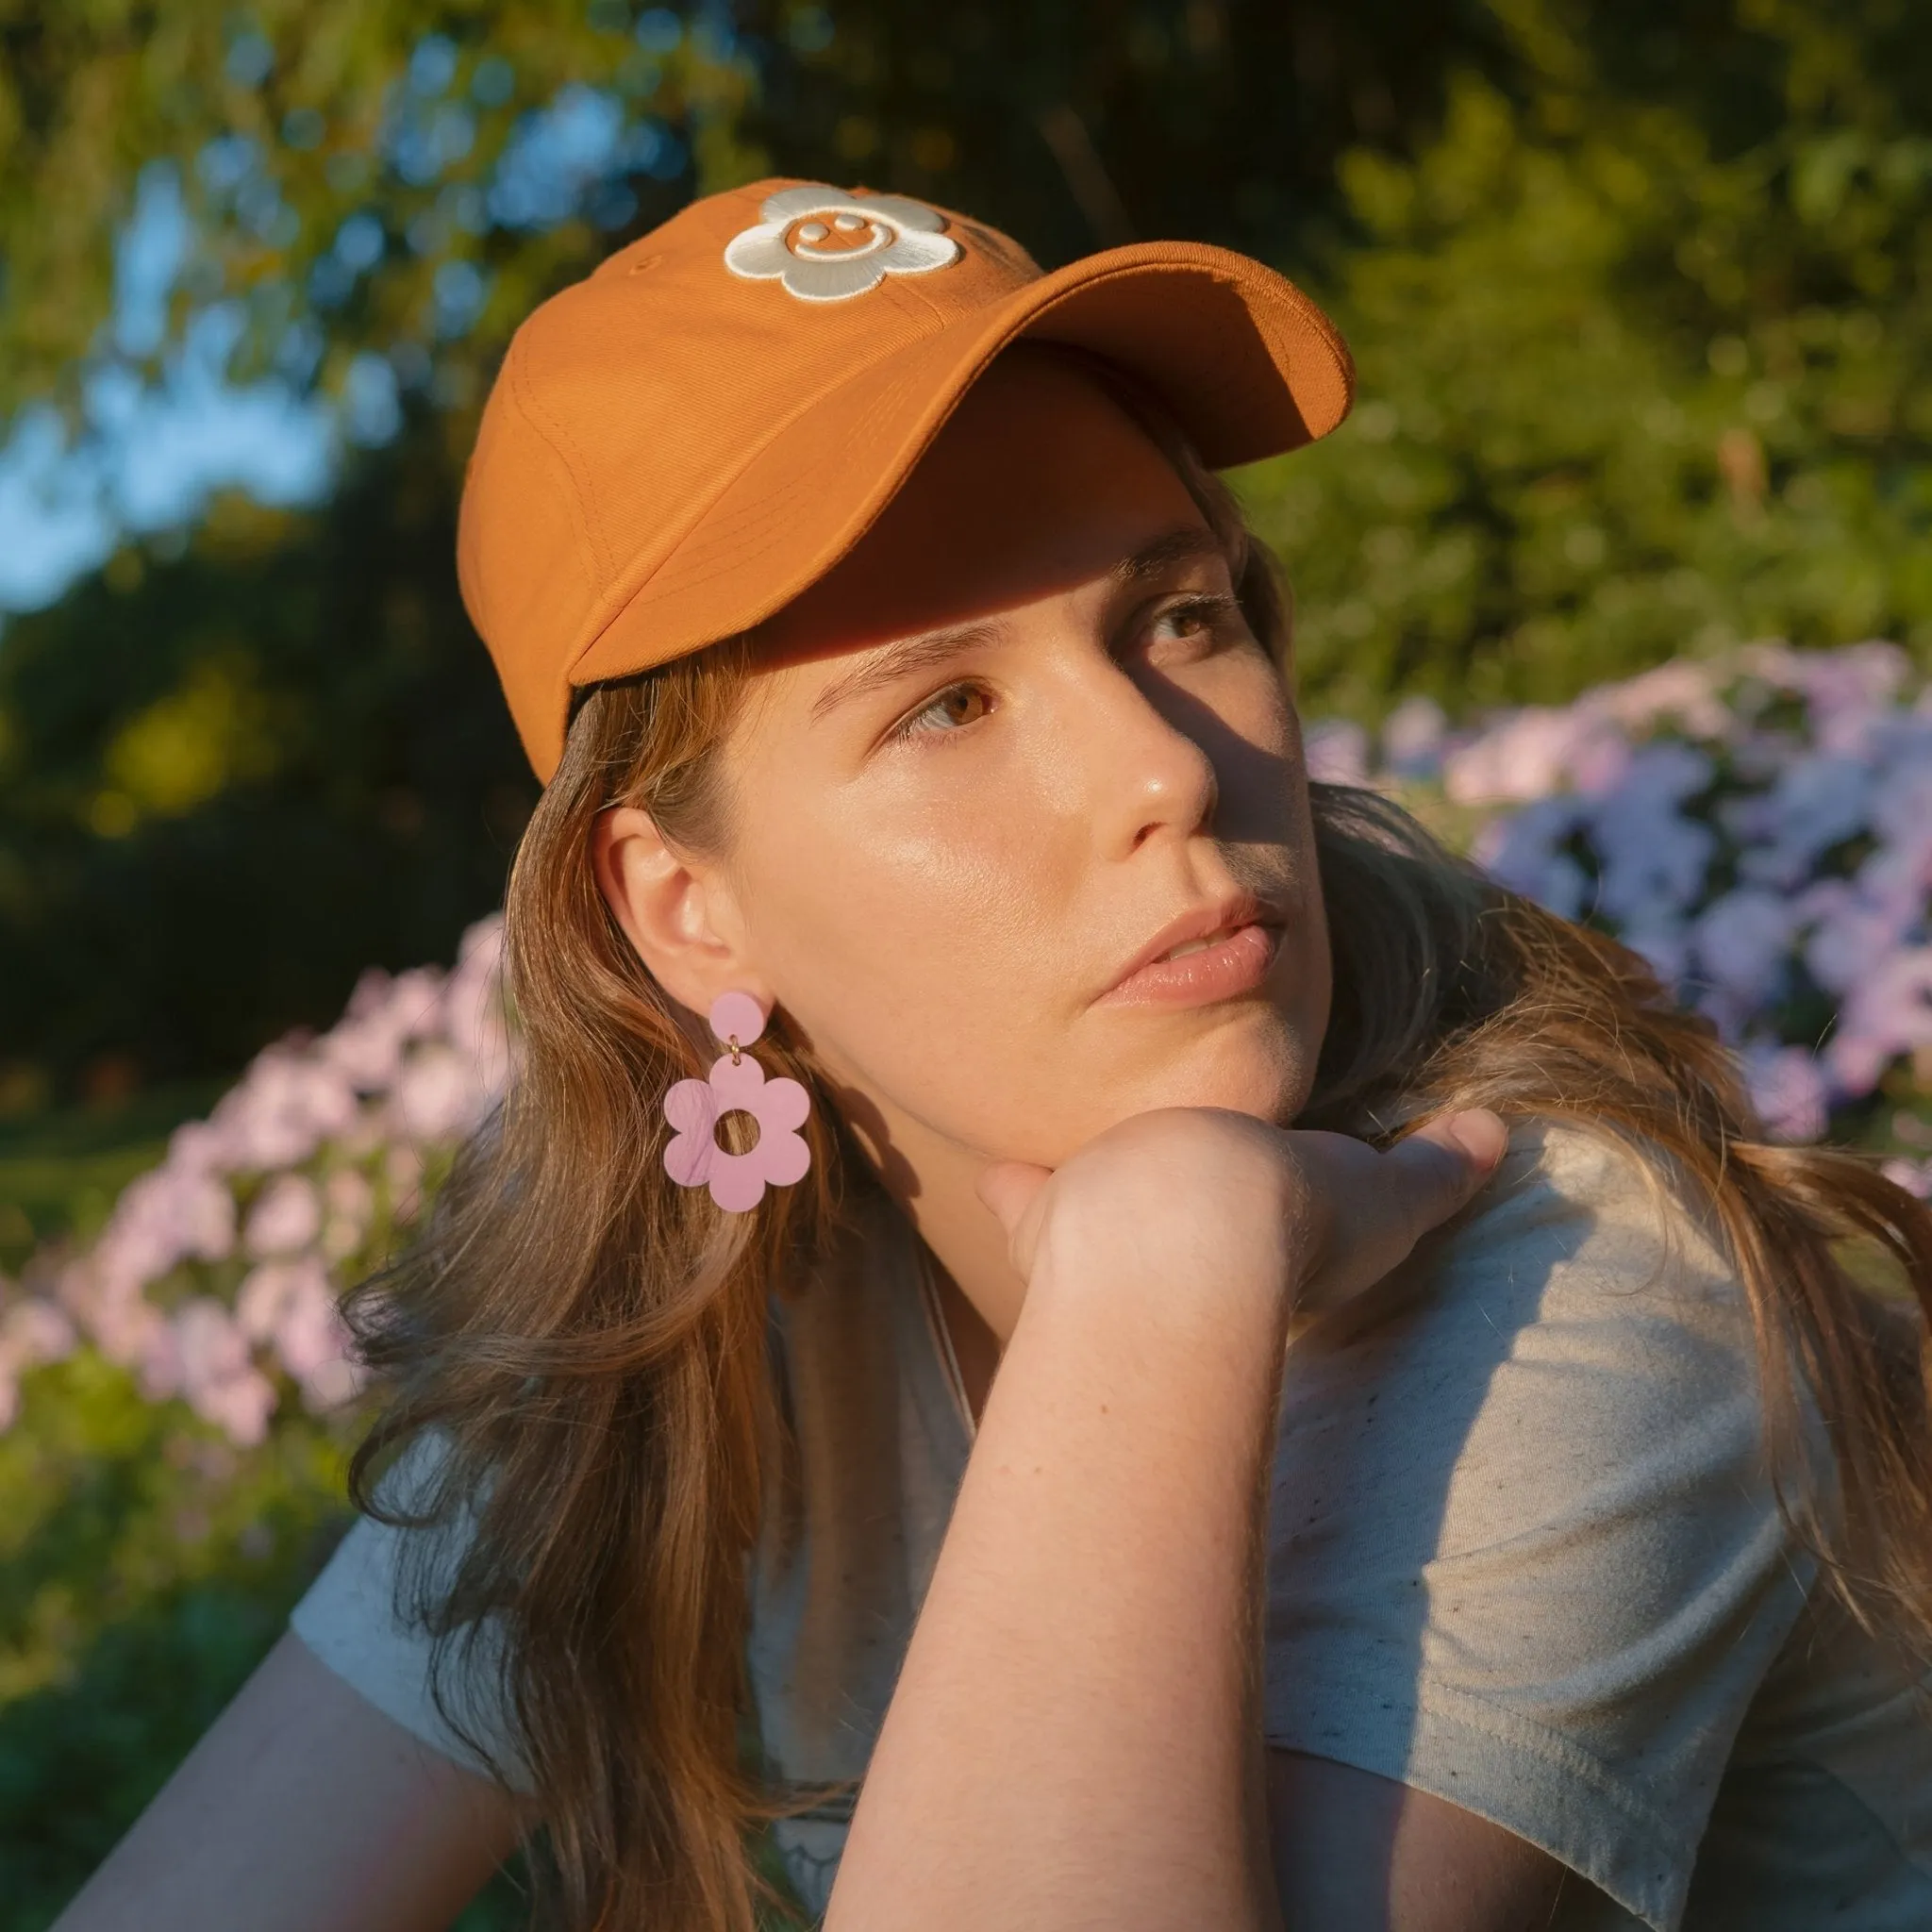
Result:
{"points": [[242, 763], [1074, 124], [1646, 362], [1093, 122], [289, 118], [231, 777], [235, 779]]}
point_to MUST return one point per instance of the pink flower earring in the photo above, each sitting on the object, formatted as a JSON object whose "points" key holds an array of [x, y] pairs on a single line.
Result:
{"points": [[694, 1160]]}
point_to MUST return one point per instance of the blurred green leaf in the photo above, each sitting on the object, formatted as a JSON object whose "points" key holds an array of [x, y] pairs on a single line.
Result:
{"points": [[1626, 392], [288, 121]]}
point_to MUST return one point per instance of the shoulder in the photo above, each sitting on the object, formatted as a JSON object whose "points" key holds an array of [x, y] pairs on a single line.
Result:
{"points": [[1559, 1447], [1583, 1213], [1580, 1347], [1582, 1240], [1579, 1326]]}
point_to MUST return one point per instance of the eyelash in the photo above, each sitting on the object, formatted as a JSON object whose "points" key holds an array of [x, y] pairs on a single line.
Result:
{"points": [[1211, 611]]}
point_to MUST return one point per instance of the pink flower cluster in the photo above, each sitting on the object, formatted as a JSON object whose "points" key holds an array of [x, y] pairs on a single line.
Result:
{"points": [[1759, 827], [216, 1275]]}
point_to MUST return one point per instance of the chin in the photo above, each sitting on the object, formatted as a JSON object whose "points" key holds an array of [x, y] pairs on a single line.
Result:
{"points": [[1261, 1070]]}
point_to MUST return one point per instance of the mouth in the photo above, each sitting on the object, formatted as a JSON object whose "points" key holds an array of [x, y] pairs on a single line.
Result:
{"points": [[1220, 936], [1209, 954]]}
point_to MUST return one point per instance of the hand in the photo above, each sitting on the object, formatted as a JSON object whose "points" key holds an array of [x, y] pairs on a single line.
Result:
{"points": [[1221, 1201]]}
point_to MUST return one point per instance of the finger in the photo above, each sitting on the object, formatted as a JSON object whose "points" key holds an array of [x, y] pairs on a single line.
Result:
{"points": [[1015, 1190], [1481, 1134], [1442, 1165], [1010, 1186]]}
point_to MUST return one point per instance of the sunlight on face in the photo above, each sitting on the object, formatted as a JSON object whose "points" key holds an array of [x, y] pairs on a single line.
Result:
{"points": [[1021, 741]]}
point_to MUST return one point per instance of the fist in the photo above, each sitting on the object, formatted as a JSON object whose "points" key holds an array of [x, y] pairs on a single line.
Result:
{"points": [[1204, 1204]]}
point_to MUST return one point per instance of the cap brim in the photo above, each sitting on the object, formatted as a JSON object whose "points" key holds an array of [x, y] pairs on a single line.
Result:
{"points": [[1247, 363]]}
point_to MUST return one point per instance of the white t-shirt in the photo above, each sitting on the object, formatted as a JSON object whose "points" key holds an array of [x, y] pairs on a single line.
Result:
{"points": [[1524, 1554]]}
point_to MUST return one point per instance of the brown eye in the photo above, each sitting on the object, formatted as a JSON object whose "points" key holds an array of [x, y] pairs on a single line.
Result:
{"points": [[1197, 618], [1190, 631], [959, 704]]}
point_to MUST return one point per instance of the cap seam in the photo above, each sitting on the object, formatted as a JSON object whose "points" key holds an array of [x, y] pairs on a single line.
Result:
{"points": [[698, 514], [574, 494], [751, 525], [751, 510], [758, 516]]}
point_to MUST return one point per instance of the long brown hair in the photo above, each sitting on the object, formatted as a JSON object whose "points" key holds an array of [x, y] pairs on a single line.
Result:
{"points": [[587, 1341]]}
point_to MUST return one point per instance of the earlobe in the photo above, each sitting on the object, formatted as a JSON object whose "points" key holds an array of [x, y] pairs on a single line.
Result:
{"points": [[676, 912]]}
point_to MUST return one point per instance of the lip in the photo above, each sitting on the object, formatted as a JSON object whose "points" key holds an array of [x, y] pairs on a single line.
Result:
{"points": [[1235, 964]]}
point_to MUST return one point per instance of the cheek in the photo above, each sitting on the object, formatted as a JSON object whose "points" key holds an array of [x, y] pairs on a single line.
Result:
{"points": [[915, 936], [1245, 706]]}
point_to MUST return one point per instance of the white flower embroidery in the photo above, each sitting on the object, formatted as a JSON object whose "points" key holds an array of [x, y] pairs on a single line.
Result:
{"points": [[825, 244]]}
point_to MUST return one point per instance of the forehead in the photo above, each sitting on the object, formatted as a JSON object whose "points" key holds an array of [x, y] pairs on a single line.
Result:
{"points": [[1040, 482]]}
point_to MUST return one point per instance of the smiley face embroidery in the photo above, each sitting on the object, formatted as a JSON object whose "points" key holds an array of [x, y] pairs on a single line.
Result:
{"points": [[823, 244]]}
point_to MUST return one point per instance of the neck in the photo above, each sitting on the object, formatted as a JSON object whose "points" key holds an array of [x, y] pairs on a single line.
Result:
{"points": [[935, 1181], [964, 1238]]}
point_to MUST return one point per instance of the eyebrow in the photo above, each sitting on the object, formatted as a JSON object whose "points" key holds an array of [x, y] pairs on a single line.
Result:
{"points": [[1191, 544], [932, 648], [921, 653]]}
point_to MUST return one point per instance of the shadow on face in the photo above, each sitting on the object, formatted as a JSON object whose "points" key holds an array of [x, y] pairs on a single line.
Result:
{"points": [[1018, 743]]}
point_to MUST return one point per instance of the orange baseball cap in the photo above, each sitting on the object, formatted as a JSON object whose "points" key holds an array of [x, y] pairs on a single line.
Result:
{"points": [[679, 444]]}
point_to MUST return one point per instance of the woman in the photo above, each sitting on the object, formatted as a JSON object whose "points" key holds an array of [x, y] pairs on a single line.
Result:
{"points": [[897, 665]]}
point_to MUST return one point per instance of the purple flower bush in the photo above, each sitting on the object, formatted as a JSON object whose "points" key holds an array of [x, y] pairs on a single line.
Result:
{"points": [[1759, 827], [216, 1275]]}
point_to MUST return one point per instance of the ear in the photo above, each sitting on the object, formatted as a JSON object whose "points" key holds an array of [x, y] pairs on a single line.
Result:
{"points": [[679, 913]]}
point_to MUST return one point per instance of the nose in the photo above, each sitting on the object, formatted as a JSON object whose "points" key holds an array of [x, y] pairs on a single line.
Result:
{"points": [[1147, 778]]}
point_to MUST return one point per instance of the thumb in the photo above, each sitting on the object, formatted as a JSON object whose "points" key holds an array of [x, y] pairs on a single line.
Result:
{"points": [[1010, 1188], [1445, 1162]]}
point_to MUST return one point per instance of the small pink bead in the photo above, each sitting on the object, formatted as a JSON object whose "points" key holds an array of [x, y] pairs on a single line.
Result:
{"points": [[737, 1016]]}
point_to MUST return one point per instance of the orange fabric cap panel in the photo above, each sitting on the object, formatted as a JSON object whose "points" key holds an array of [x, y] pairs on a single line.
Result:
{"points": [[677, 446]]}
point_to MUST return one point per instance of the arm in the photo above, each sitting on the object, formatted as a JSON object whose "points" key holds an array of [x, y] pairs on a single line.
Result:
{"points": [[303, 1810], [1356, 1852], [1081, 1666], [1074, 1738]]}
